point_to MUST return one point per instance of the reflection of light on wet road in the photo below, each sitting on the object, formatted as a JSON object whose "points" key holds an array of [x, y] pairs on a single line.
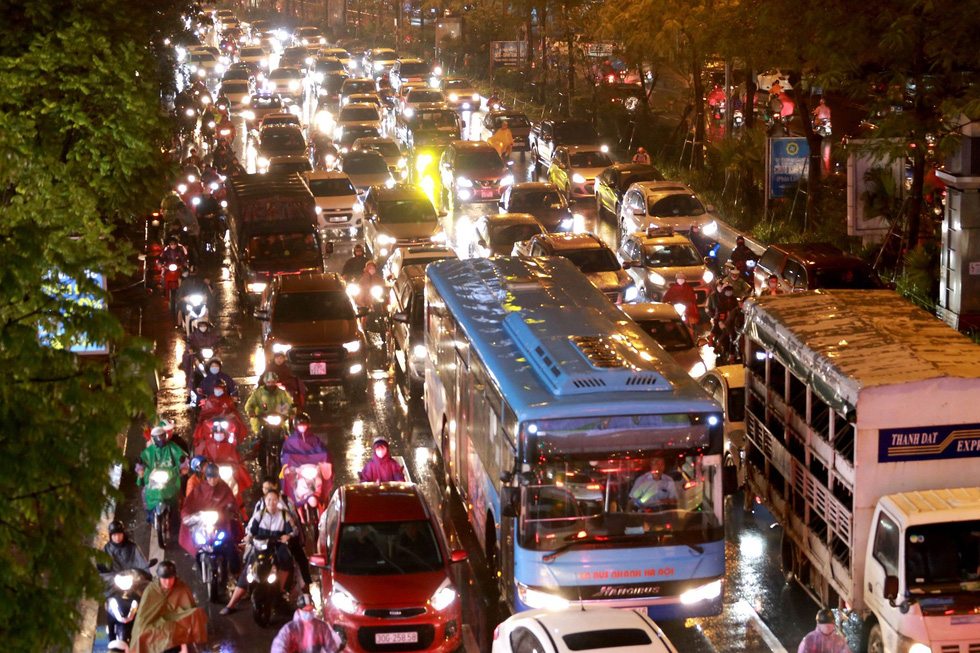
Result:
{"points": [[751, 546], [380, 389], [421, 457], [357, 429], [258, 360]]}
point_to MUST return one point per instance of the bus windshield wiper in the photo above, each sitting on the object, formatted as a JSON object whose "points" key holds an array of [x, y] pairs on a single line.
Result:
{"points": [[592, 541]]}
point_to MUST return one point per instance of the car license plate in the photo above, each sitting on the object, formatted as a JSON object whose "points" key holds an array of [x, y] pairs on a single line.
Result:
{"points": [[318, 369], [486, 192], [396, 638], [338, 218]]}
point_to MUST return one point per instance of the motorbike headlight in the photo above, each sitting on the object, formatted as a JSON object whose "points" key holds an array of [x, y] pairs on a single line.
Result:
{"points": [[201, 72], [309, 60], [463, 182], [219, 69], [578, 179], [698, 370], [353, 290], [262, 162], [750, 263], [402, 162], [318, 77], [309, 472], [443, 597], [377, 292], [172, 267], [707, 277], [437, 71], [123, 581], [680, 308], [264, 63], [280, 348], [409, 112], [189, 113], [248, 115], [224, 204], [272, 578], [657, 279], [195, 201], [420, 351], [476, 97], [207, 353], [226, 473], [710, 229], [919, 647], [256, 286], [704, 593], [193, 68], [604, 149], [200, 539], [181, 188], [294, 85], [507, 181], [453, 97], [273, 420], [192, 178], [214, 186], [353, 346], [342, 599], [631, 294], [378, 66], [271, 85], [195, 299], [160, 476]]}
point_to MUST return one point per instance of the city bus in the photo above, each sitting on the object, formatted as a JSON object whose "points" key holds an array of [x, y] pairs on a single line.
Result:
{"points": [[588, 461]]}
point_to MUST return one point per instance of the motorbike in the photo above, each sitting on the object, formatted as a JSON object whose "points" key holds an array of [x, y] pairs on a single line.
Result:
{"points": [[372, 316], [822, 127], [272, 433], [122, 601], [171, 283], [158, 480], [718, 111], [195, 311], [307, 488], [229, 423], [737, 118], [187, 121], [263, 580], [746, 270], [211, 564]]}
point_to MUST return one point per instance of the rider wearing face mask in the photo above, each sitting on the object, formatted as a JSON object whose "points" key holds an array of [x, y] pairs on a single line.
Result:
{"points": [[214, 373], [303, 447], [217, 405], [824, 638], [269, 397], [683, 293], [381, 468], [306, 632]]}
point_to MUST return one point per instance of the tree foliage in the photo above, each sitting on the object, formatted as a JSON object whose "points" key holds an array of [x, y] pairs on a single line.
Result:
{"points": [[82, 128]]}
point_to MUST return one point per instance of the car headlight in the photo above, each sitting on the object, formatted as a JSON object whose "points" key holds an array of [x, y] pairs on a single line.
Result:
{"points": [[567, 223], [248, 115], [453, 97], [704, 593], [578, 179], [353, 346], [201, 72], [604, 149], [463, 182], [439, 237], [318, 77], [256, 286], [707, 276], [710, 229], [309, 60], [294, 85], [538, 600], [437, 70], [219, 69], [262, 162], [378, 66], [342, 599], [280, 348], [698, 370], [193, 68], [264, 63], [631, 294], [507, 181], [409, 112], [657, 279], [385, 239], [271, 85], [443, 597], [476, 97], [402, 162], [919, 647], [420, 351]]}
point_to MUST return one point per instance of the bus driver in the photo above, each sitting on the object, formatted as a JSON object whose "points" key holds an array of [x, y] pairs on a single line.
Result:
{"points": [[653, 490]]}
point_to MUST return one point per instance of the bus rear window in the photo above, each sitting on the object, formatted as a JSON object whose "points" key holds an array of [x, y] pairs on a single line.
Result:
{"points": [[611, 638]]}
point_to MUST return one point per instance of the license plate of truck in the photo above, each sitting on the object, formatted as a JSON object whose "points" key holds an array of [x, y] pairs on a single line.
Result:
{"points": [[318, 369], [396, 638]]}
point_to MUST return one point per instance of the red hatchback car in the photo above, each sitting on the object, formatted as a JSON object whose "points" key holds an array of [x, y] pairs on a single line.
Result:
{"points": [[385, 571]]}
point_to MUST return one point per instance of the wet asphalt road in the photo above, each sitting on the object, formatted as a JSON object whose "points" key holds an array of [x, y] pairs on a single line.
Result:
{"points": [[762, 611]]}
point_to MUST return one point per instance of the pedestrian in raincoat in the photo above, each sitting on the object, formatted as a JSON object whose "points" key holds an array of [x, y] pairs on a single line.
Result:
{"points": [[306, 633], [168, 617]]}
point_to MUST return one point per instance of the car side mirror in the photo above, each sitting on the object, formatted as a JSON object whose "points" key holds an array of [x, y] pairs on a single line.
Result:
{"points": [[458, 555], [481, 243], [400, 316], [318, 560], [627, 265], [464, 124], [891, 589], [710, 208], [261, 314]]}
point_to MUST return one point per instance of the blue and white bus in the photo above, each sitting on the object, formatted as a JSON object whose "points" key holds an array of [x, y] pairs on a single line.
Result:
{"points": [[588, 461]]}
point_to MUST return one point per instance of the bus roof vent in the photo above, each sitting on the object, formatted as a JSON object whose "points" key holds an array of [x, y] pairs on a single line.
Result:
{"points": [[579, 363]]}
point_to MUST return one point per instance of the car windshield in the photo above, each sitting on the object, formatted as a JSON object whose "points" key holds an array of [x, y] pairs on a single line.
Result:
{"points": [[856, 278], [359, 114], [940, 556], [235, 74], [593, 259], [383, 54], [299, 248], [673, 205], [435, 119], [670, 256], [336, 187], [672, 335], [504, 236], [286, 167], [426, 95], [339, 53], [628, 180], [272, 121], [234, 87], [282, 141], [590, 160], [386, 149], [413, 68], [329, 65], [387, 549], [333, 83], [736, 404], [513, 120], [366, 163], [359, 87], [404, 211], [527, 202], [266, 102], [575, 130], [312, 307], [351, 134], [285, 73], [251, 52], [202, 57], [479, 160]]}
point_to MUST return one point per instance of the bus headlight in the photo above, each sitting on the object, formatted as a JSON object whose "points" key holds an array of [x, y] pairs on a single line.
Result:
{"points": [[704, 593], [540, 600]]}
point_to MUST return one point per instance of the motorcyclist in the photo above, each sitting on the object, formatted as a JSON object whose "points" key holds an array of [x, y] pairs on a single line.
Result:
{"points": [[822, 111], [741, 255], [190, 226], [168, 618], [274, 524], [220, 449], [213, 375], [223, 153], [213, 494], [303, 447], [192, 284], [739, 286], [368, 279], [235, 168], [381, 468], [193, 158], [824, 638], [726, 304], [683, 293], [641, 156], [714, 297], [123, 555], [209, 207], [297, 543], [196, 475], [716, 97], [493, 102], [270, 397], [161, 454], [354, 267], [173, 253], [218, 403], [306, 633], [292, 383]]}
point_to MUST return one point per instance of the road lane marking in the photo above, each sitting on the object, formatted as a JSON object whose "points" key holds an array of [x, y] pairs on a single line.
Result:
{"points": [[756, 622]]}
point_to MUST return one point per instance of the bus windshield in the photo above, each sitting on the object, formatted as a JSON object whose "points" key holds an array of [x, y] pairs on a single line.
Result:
{"points": [[635, 480]]}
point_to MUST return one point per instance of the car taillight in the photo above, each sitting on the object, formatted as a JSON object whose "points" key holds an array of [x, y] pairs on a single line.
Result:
{"points": [[496, 632]]}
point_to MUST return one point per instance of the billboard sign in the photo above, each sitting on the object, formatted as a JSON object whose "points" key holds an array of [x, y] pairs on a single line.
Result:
{"points": [[787, 164], [508, 54]]}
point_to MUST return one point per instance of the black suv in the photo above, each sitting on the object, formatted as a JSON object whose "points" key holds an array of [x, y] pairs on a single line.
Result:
{"points": [[809, 266]]}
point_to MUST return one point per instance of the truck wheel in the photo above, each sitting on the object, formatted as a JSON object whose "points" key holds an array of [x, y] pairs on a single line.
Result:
{"points": [[875, 642], [788, 555]]}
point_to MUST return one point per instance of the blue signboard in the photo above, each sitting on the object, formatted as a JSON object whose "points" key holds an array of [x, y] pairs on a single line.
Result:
{"points": [[929, 443], [64, 287], [787, 164], [508, 54]]}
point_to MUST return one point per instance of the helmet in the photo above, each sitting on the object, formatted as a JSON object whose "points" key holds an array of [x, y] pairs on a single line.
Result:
{"points": [[198, 463], [270, 377], [119, 646], [740, 240], [380, 442], [214, 361], [303, 418], [211, 471], [370, 262], [165, 424], [304, 601], [166, 569], [641, 150], [680, 275], [159, 436], [221, 383], [116, 526], [825, 616], [358, 248]]}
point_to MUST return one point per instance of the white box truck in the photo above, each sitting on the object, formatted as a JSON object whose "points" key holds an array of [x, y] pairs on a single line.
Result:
{"points": [[863, 440]]}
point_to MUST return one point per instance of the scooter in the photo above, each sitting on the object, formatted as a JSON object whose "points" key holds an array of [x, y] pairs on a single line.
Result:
{"points": [[171, 283], [122, 601], [307, 485], [195, 311], [272, 432], [263, 580], [822, 127], [211, 564], [158, 480]]}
